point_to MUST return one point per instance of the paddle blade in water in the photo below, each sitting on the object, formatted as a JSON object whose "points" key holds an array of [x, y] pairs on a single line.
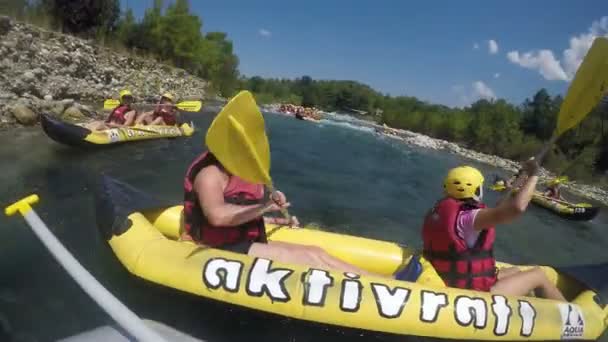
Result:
{"points": [[590, 84], [237, 138], [110, 104], [190, 106]]}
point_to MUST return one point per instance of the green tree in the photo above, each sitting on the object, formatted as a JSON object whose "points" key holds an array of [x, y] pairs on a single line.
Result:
{"points": [[84, 17], [180, 34], [540, 115], [127, 28]]}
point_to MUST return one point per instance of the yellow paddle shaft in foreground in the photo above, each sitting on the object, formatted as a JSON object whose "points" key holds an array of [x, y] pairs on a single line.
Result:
{"points": [[117, 310]]}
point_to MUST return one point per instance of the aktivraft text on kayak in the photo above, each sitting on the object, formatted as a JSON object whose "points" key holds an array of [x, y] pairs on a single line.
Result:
{"points": [[264, 280]]}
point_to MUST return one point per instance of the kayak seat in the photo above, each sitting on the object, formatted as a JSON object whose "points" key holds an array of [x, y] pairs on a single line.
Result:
{"points": [[411, 272]]}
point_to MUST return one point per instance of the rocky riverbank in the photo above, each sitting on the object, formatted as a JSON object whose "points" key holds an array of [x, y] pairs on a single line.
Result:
{"points": [[421, 140], [46, 71]]}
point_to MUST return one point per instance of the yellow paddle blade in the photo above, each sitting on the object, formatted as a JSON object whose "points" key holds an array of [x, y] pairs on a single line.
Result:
{"points": [[237, 138], [497, 187], [584, 205], [190, 106], [110, 104], [590, 84]]}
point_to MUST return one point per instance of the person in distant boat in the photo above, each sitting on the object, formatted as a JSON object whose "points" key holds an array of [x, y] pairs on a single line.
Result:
{"points": [[458, 236], [123, 115], [224, 211], [165, 112], [299, 114], [553, 190], [509, 182]]}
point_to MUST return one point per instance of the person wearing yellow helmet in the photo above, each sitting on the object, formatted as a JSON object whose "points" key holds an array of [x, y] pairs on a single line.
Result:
{"points": [[164, 113], [123, 115], [553, 190], [458, 236]]}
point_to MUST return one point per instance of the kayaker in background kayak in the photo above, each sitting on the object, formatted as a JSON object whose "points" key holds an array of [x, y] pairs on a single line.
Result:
{"points": [[164, 113], [123, 115], [223, 211], [553, 190], [458, 236]]}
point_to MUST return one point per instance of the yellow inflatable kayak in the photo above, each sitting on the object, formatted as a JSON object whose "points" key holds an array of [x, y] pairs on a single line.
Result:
{"points": [[570, 211], [146, 243], [76, 135]]}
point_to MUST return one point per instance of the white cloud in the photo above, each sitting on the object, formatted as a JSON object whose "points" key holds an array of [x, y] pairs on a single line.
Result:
{"points": [[549, 66], [544, 61], [482, 91], [475, 46], [478, 90], [492, 47], [497, 75], [264, 32]]}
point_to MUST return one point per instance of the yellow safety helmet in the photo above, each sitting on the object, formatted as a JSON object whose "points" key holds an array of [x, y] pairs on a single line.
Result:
{"points": [[125, 92], [464, 182], [168, 96], [555, 182]]}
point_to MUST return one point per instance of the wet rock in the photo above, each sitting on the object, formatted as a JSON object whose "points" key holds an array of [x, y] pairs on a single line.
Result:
{"points": [[29, 76], [9, 44], [67, 102], [24, 115], [4, 96], [72, 114]]}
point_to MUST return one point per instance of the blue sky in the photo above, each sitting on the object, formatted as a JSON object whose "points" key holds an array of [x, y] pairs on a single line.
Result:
{"points": [[439, 51]]}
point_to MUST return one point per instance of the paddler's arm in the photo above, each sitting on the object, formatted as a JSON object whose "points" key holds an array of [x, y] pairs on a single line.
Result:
{"points": [[513, 206], [130, 118], [209, 185]]}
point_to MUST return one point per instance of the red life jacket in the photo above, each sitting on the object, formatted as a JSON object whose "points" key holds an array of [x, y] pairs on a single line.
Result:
{"points": [[118, 114], [553, 192], [237, 192], [456, 263], [167, 113]]}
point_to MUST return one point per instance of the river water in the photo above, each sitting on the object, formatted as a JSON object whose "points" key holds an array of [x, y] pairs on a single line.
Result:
{"points": [[337, 174]]}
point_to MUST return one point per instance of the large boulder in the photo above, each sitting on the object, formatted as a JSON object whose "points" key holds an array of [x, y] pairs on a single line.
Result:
{"points": [[24, 115], [73, 114]]}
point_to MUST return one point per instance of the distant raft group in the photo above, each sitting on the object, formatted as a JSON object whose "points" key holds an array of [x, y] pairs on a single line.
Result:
{"points": [[300, 112]]}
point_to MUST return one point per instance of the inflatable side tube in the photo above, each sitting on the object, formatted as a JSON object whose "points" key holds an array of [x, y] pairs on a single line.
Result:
{"points": [[593, 276], [115, 201], [63, 132], [584, 214]]}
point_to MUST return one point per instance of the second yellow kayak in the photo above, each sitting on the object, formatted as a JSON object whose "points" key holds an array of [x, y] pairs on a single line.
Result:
{"points": [[76, 135]]}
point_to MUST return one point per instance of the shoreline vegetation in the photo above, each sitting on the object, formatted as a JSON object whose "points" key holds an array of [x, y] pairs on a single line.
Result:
{"points": [[167, 50]]}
